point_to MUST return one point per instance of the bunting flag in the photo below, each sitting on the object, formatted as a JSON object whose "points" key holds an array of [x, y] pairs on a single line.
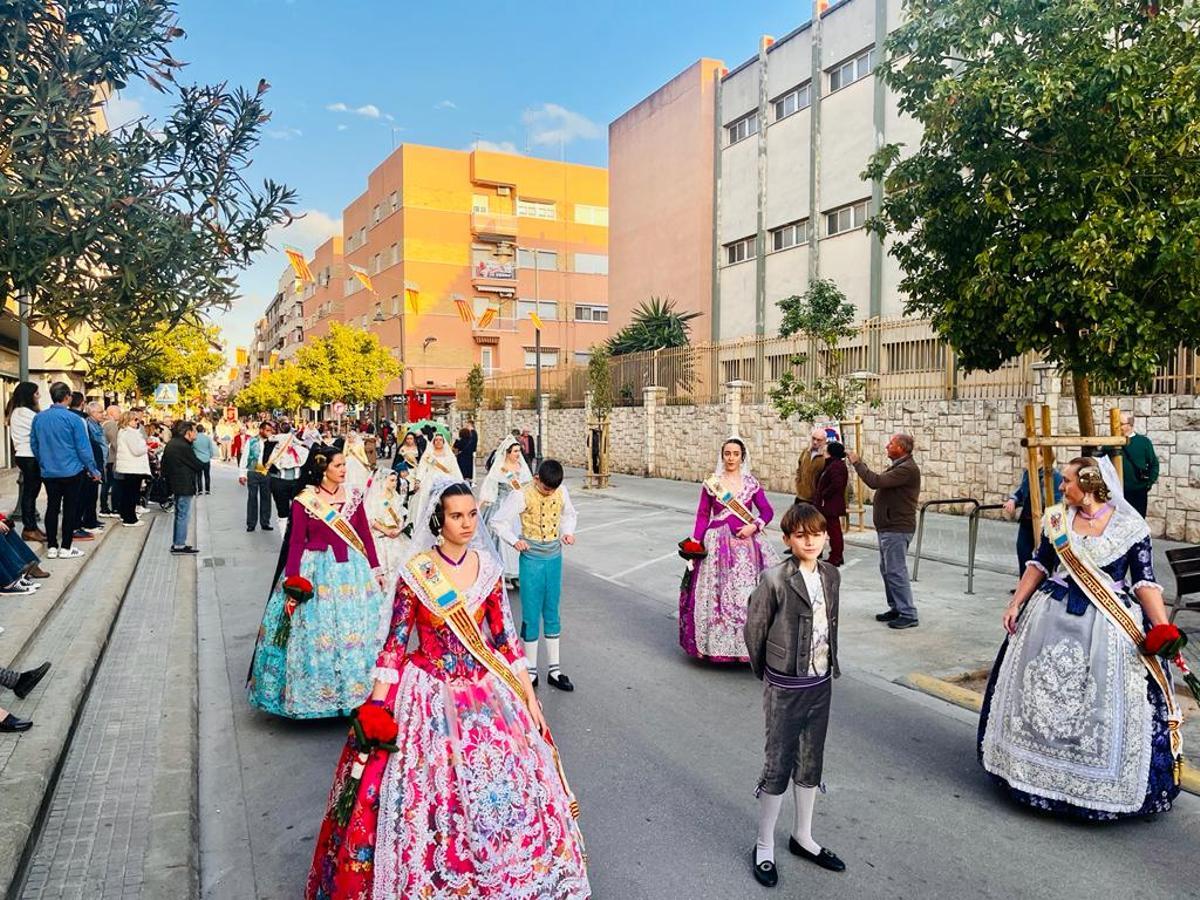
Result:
{"points": [[299, 265], [464, 310], [536, 320], [364, 279], [488, 317], [413, 296]]}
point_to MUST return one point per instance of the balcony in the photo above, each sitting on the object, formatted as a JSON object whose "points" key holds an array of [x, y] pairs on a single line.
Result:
{"points": [[494, 226], [495, 278]]}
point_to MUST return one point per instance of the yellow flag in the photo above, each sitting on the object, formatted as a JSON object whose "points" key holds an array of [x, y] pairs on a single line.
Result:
{"points": [[413, 296], [536, 320], [299, 265], [363, 278], [487, 318], [464, 310]]}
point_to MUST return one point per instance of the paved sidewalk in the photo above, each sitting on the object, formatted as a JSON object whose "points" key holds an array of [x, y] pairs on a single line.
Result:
{"points": [[121, 821]]}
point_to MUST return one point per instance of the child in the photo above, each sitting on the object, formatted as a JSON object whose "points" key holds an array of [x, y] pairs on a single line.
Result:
{"points": [[546, 522], [791, 633]]}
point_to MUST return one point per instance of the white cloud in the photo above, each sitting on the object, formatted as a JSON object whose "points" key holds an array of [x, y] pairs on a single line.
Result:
{"points": [[285, 134], [445, 104], [496, 147], [308, 231], [121, 111], [342, 127], [554, 124], [367, 110]]}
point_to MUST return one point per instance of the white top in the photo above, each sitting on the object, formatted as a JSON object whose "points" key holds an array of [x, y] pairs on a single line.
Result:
{"points": [[506, 523], [131, 453], [20, 425], [819, 658]]}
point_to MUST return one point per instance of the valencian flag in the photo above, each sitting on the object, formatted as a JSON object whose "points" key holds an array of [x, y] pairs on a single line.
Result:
{"points": [[299, 265], [464, 310], [488, 317], [413, 296], [536, 320], [363, 278]]}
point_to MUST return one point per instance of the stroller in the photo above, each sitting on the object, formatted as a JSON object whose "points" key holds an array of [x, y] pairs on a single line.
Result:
{"points": [[158, 490]]}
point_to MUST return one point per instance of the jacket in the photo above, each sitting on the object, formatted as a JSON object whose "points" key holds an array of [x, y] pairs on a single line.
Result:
{"points": [[830, 496], [1020, 496], [111, 427], [897, 492], [779, 622], [59, 440], [132, 458], [808, 470], [179, 465], [20, 425], [1139, 463]]}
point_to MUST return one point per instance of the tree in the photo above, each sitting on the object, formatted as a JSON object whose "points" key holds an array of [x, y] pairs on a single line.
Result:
{"points": [[187, 354], [825, 317], [121, 230], [656, 326], [600, 382], [1053, 204], [348, 364], [475, 386]]}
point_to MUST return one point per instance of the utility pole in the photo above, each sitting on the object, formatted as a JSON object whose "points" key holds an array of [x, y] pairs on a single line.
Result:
{"points": [[537, 352], [23, 335]]}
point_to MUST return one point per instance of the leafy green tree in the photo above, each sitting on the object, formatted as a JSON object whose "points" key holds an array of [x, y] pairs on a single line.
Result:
{"points": [[656, 325], [187, 354], [825, 317], [600, 382], [1053, 203], [121, 230], [475, 386], [348, 364]]}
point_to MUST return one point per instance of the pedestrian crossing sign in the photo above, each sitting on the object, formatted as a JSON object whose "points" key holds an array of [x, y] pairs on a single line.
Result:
{"points": [[166, 394]]}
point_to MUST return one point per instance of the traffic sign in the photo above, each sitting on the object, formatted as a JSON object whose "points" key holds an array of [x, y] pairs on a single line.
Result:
{"points": [[166, 394]]}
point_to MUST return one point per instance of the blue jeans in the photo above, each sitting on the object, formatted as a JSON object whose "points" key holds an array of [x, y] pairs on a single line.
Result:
{"points": [[183, 509], [893, 566]]}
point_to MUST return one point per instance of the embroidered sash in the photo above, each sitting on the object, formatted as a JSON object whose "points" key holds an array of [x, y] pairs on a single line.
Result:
{"points": [[1097, 586], [727, 499], [434, 461], [451, 607], [281, 447], [356, 450], [331, 516], [391, 514]]}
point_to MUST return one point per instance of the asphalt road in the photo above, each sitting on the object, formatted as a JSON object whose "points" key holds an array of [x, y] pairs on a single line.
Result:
{"points": [[664, 755]]}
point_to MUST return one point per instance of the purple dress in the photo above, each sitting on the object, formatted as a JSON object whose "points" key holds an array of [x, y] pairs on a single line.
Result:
{"points": [[716, 589]]}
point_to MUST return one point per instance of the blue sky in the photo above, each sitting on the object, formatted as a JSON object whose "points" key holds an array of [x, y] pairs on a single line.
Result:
{"points": [[351, 77]]}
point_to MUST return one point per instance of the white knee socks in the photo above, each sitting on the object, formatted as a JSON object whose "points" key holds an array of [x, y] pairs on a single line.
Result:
{"points": [[806, 798], [531, 650], [768, 813], [552, 656]]}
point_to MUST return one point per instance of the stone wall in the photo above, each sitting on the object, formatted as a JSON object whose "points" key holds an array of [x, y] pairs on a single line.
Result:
{"points": [[966, 448]]}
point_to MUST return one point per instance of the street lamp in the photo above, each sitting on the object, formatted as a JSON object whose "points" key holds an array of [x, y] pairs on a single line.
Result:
{"points": [[380, 318], [537, 352]]}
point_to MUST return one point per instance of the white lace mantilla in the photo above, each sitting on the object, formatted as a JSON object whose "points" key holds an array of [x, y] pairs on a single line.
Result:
{"points": [[1124, 529]]}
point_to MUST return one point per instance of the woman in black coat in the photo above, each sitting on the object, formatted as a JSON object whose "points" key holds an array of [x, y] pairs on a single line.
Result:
{"points": [[464, 452], [830, 497]]}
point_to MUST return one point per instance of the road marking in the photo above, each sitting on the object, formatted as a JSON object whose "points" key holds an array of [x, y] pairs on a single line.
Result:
{"points": [[620, 521], [651, 562]]}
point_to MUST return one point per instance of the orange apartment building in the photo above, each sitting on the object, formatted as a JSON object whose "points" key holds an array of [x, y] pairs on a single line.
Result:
{"points": [[450, 225], [323, 301]]}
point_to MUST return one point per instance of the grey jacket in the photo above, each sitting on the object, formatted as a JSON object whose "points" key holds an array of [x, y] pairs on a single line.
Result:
{"points": [[779, 619]]}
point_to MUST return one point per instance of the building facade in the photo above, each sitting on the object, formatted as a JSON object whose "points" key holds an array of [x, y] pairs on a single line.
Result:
{"points": [[323, 299]]}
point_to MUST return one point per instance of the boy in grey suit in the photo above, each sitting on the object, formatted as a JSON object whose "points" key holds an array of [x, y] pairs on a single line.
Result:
{"points": [[791, 633]]}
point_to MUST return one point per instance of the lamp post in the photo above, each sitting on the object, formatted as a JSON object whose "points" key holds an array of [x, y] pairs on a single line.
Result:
{"points": [[379, 318], [537, 352]]}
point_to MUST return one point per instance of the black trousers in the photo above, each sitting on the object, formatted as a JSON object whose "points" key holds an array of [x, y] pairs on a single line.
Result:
{"points": [[107, 501], [62, 494], [89, 494], [1138, 499], [283, 492], [31, 486], [126, 490], [204, 478]]}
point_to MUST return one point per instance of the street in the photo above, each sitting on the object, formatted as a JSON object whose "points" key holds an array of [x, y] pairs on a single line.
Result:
{"points": [[664, 753]]}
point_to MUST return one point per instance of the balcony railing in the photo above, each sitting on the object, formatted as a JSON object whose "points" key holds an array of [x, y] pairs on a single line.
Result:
{"points": [[494, 226]]}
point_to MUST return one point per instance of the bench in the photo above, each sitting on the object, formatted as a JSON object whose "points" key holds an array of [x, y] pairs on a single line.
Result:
{"points": [[1185, 564]]}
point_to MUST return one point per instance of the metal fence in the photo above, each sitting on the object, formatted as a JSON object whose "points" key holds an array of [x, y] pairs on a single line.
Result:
{"points": [[899, 359]]}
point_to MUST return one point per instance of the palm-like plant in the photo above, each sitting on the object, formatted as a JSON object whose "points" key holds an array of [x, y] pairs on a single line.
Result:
{"points": [[656, 325]]}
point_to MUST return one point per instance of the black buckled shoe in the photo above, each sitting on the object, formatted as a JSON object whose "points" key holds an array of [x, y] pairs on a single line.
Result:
{"points": [[560, 681], [826, 859], [29, 680], [887, 616], [12, 724], [765, 873]]}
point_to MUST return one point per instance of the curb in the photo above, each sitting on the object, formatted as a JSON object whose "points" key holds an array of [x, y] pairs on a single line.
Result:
{"points": [[973, 700], [172, 863], [33, 767]]}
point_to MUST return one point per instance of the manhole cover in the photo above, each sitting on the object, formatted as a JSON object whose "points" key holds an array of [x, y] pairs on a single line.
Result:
{"points": [[211, 561]]}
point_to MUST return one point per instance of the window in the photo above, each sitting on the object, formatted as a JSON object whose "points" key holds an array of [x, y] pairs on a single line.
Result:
{"points": [[549, 358], [376, 261], [479, 203], [350, 242], [590, 313], [546, 309], [591, 215], [847, 218], [739, 251], [547, 260], [395, 200], [793, 101], [375, 214], [535, 209], [352, 285], [591, 263], [851, 70], [790, 235], [395, 254], [743, 127], [582, 357], [487, 358], [395, 304]]}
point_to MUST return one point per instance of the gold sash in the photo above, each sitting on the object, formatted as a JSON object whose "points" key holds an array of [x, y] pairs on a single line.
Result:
{"points": [[726, 498], [1096, 585], [391, 512], [329, 514], [444, 602], [434, 461]]}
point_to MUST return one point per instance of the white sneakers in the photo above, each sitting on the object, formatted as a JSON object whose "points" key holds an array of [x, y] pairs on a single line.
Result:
{"points": [[133, 524], [56, 553]]}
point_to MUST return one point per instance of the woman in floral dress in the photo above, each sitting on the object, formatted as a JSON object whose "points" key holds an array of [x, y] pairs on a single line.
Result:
{"points": [[712, 601], [315, 658], [469, 801]]}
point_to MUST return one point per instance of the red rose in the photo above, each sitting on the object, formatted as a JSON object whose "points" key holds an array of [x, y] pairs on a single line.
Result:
{"points": [[692, 549], [377, 723], [1164, 640], [298, 586]]}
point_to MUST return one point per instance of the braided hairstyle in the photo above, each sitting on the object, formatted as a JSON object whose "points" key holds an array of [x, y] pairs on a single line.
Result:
{"points": [[319, 458], [437, 518], [1090, 478]]}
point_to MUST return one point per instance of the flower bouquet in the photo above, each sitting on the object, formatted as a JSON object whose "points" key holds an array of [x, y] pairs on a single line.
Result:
{"points": [[373, 728], [296, 589], [1167, 641], [691, 549]]}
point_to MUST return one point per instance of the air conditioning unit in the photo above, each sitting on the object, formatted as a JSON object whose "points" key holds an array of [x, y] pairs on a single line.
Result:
{"points": [[503, 191]]}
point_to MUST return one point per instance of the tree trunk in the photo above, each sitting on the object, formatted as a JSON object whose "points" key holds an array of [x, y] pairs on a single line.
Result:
{"points": [[1083, 410]]}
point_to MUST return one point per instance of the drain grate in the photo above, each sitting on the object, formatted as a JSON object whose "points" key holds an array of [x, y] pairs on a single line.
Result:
{"points": [[211, 561]]}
